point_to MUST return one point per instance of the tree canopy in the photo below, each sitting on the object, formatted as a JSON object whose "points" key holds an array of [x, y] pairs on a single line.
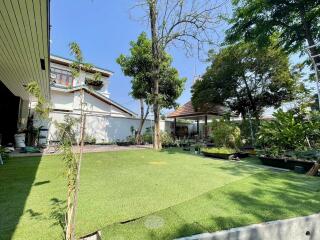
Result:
{"points": [[138, 65], [296, 21], [245, 77]]}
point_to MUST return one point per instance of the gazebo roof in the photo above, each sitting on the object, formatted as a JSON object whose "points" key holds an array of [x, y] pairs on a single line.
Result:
{"points": [[187, 110]]}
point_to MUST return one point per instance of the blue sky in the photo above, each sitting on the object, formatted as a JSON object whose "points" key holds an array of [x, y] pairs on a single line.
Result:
{"points": [[103, 30]]}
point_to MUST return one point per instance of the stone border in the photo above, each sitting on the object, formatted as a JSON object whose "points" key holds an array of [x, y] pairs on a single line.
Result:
{"points": [[299, 228]]}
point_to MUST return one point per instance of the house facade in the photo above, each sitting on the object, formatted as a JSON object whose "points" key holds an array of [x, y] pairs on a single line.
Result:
{"points": [[106, 120]]}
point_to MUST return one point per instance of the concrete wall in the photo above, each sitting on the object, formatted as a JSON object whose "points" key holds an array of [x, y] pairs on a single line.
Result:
{"points": [[104, 128], [300, 228], [62, 100]]}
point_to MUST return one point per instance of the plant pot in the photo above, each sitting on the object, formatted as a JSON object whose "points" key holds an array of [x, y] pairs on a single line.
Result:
{"points": [[286, 163]]}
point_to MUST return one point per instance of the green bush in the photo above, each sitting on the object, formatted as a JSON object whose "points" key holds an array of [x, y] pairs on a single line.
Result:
{"points": [[290, 131], [225, 134], [249, 131], [89, 139], [166, 139], [147, 136]]}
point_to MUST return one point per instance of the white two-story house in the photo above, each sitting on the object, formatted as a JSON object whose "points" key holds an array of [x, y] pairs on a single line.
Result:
{"points": [[106, 120]]}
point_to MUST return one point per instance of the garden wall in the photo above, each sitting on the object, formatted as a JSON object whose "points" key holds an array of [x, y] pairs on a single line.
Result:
{"points": [[300, 228], [103, 128]]}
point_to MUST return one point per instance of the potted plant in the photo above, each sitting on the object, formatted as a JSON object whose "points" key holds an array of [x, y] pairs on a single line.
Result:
{"points": [[95, 82]]}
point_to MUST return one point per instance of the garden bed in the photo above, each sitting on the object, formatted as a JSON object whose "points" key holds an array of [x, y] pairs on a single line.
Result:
{"points": [[287, 163], [223, 153], [219, 155]]}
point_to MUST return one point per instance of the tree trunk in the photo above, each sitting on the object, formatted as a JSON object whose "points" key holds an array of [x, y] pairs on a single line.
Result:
{"points": [[69, 226], [314, 170], [252, 103], [142, 120], [155, 70]]}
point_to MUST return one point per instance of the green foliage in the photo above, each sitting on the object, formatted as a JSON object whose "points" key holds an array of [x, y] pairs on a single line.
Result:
{"points": [[79, 64], [131, 139], [249, 131], [66, 134], [166, 139], [290, 131], [223, 150], [89, 139], [132, 130], [225, 134], [139, 64], [147, 136], [43, 107], [66, 130], [257, 20], [245, 77]]}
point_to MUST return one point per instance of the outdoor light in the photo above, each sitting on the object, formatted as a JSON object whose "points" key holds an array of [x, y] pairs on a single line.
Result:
{"points": [[42, 63]]}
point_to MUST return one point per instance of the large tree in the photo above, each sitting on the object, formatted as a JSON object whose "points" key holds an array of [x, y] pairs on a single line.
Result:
{"points": [[138, 65], [246, 78], [190, 23], [297, 22]]}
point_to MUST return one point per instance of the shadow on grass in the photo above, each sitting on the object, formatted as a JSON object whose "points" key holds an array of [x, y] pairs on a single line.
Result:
{"points": [[16, 178], [58, 211], [262, 197]]}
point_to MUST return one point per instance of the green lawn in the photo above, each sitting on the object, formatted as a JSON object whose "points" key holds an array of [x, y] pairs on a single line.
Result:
{"points": [[170, 194]]}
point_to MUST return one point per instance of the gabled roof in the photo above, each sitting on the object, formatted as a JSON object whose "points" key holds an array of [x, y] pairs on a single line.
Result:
{"points": [[187, 110], [66, 62], [97, 95]]}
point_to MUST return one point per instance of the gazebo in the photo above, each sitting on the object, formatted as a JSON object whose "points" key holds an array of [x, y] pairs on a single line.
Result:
{"points": [[188, 112]]}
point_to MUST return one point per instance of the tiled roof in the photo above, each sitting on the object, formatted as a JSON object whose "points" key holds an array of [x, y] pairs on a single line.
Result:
{"points": [[188, 110]]}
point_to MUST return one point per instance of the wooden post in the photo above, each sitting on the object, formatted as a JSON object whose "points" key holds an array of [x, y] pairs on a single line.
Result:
{"points": [[198, 130], [205, 126], [175, 127]]}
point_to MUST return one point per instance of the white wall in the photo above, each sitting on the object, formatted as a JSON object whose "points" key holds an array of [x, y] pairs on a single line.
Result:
{"points": [[62, 100], [103, 128]]}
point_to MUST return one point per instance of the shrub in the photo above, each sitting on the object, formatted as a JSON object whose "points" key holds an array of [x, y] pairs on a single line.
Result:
{"points": [[249, 131], [67, 129], [290, 131], [147, 136], [89, 139], [225, 134], [166, 139]]}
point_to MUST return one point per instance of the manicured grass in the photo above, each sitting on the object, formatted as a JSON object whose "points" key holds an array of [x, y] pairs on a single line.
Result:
{"points": [[182, 193]]}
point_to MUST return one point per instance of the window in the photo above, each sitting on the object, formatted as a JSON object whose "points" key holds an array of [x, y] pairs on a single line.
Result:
{"points": [[61, 77]]}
